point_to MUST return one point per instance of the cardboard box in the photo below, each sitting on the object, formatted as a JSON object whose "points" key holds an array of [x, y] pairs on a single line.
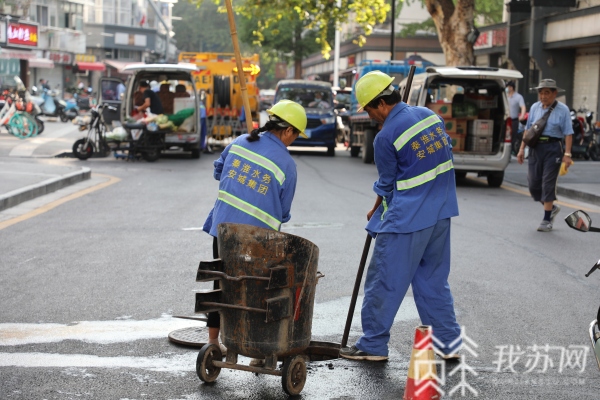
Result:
{"points": [[482, 101], [444, 110], [481, 127], [458, 126], [182, 103], [457, 141]]}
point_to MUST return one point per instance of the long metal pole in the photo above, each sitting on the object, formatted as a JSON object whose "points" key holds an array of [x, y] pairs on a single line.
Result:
{"points": [[240, 68], [363, 259], [393, 38], [336, 52]]}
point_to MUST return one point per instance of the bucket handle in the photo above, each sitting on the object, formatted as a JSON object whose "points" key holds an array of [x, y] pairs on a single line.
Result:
{"points": [[223, 275]]}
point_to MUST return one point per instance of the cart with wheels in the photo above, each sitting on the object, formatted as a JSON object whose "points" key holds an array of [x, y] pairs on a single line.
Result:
{"points": [[267, 289]]}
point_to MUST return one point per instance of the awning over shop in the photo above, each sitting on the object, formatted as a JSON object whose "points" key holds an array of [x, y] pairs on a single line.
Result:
{"points": [[91, 66], [119, 65], [41, 63]]}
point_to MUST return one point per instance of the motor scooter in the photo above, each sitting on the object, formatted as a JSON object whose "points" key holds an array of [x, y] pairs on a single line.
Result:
{"points": [[584, 145], [49, 104], [581, 221], [71, 108]]}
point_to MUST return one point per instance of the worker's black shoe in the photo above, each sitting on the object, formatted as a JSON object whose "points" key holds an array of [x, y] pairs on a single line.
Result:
{"points": [[354, 353]]}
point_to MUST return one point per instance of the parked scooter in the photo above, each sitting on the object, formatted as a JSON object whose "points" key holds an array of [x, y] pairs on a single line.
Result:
{"points": [[581, 221], [71, 108], [49, 104], [25, 103], [584, 145]]}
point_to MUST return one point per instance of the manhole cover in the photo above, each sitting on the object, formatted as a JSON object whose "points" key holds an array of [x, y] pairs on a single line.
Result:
{"points": [[194, 336]]}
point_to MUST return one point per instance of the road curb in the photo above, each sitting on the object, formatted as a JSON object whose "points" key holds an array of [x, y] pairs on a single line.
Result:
{"points": [[26, 193], [570, 193]]}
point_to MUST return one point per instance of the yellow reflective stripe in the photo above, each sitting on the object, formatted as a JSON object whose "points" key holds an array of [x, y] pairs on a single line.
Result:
{"points": [[425, 177], [414, 130], [385, 207], [249, 209], [260, 160]]}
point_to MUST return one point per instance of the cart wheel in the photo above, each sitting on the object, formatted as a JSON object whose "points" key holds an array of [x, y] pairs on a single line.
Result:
{"points": [[205, 369], [81, 151], [293, 375], [151, 155]]}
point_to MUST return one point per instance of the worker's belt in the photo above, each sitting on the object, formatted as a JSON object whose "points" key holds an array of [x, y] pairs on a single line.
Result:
{"points": [[548, 139]]}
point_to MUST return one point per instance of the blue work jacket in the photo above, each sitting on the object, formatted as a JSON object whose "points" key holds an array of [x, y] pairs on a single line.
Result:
{"points": [[413, 154], [257, 184]]}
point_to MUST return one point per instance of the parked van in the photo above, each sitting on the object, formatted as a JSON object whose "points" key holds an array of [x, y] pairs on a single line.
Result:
{"points": [[473, 103], [177, 94], [317, 99]]}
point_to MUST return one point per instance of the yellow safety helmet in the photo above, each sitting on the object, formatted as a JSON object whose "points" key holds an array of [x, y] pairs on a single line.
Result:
{"points": [[370, 86], [292, 113]]}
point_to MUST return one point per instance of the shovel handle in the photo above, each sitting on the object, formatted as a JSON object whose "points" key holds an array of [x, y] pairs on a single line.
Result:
{"points": [[359, 274]]}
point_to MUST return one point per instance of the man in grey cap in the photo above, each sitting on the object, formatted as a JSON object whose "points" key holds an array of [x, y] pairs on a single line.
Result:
{"points": [[548, 154]]}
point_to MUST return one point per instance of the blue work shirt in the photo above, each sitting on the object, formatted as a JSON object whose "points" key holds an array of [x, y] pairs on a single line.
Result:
{"points": [[255, 177], [558, 124], [413, 154]]}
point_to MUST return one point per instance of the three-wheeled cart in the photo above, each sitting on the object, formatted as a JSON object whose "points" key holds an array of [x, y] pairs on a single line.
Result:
{"points": [[266, 296]]}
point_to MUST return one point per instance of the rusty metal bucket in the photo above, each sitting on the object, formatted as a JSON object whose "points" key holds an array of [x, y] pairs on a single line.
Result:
{"points": [[267, 289]]}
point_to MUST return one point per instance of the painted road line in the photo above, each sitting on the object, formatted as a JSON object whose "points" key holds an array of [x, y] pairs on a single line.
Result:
{"points": [[47, 207]]}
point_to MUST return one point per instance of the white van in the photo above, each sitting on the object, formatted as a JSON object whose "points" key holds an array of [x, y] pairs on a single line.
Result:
{"points": [[474, 106], [177, 92]]}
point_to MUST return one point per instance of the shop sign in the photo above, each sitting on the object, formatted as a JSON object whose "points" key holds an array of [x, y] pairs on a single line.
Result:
{"points": [[85, 58], [59, 57], [489, 39], [352, 60], [22, 34]]}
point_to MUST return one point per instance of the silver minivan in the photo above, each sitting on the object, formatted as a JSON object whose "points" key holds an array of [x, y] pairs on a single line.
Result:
{"points": [[473, 103], [176, 90]]}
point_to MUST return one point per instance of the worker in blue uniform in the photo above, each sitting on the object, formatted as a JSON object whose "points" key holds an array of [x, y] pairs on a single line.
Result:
{"points": [[416, 197], [257, 180]]}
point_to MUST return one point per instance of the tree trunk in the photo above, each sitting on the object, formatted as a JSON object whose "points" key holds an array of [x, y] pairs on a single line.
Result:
{"points": [[298, 51], [453, 24]]}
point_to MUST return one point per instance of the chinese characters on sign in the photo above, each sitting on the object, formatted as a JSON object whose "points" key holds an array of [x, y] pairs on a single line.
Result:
{"points": [[22, 34], [251, 178]]}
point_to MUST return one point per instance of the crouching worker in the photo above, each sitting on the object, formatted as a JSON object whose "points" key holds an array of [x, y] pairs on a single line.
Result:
{"points": [[416, 197], [257, 182]]}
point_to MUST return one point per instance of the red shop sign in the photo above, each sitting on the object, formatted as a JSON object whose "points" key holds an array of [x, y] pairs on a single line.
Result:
{"points": [[22, 34]]}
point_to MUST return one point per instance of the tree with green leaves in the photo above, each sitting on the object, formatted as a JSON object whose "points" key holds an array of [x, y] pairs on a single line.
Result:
{"points": [[453, 20]]}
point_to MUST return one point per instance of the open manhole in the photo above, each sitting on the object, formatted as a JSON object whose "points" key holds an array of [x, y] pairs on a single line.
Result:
{"points": [[196, 337]]}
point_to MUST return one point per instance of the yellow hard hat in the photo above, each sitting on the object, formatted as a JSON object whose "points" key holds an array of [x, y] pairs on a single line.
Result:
{"points": [[370, 86], [292, 113]]}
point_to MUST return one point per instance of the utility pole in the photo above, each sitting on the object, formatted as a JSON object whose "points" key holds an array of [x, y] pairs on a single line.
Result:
{"points": [[393, 38]]}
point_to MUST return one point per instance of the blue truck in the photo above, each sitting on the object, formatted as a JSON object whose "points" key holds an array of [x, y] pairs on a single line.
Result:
{"points": [[362, 128]]}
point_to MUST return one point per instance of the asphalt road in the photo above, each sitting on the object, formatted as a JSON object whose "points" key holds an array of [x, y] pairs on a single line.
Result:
{"points": [[88, 289]]}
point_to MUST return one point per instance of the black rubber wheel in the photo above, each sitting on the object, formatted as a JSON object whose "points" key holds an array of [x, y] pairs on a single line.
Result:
{"points": [[331, 151], [368, 152], [594, 151], [293, 375], [205, 369], [151, 155], [40, 125], [495, 178], [81, 151], [222, 90], [354, 150], [460, 174], [196, 154], [63, 117]]}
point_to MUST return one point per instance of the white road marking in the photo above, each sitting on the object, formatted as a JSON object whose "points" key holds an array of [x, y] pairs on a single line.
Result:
{"points": [[104, 332]]}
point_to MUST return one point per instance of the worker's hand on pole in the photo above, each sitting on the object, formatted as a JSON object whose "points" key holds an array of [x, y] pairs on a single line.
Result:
{"points": [[375, 207]]}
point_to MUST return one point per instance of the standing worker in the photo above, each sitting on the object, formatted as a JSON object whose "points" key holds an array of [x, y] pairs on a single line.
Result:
{"points": [[517, 110], [257, 181], [416, 197], [545, 159]]}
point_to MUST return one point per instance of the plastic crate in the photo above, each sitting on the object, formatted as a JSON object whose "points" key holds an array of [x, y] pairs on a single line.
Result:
{"points": [[479, 144], [481, 127]]}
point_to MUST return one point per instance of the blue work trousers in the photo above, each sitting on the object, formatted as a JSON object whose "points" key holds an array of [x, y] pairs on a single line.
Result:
{"points": [[423, 259]]}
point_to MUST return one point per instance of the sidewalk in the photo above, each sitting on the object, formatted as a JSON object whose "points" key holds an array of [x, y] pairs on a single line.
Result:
{"points": [[581, 183], [23, 179]]}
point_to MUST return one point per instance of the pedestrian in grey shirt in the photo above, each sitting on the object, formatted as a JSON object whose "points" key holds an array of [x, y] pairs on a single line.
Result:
{"points": [[516, 106]]}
